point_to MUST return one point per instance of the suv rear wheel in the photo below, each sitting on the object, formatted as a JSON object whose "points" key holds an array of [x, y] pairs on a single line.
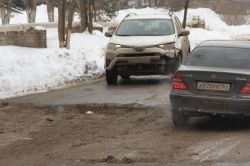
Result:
{"points": [[179, 119], [111, 77]]}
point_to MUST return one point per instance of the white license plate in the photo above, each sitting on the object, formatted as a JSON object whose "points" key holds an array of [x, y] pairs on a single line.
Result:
{"points": [[210, 86]]}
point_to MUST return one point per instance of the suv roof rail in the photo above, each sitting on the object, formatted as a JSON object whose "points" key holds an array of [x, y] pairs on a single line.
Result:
{"points": [[130, 14]]}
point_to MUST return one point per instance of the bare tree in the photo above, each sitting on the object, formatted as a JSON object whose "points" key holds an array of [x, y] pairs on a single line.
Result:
{"points": [[71, 6], [139, 3], [185, 14], [5, 7], [64, 35], [31, 10], [50, 10], [90, 14], [82, 5], [94, 11], [61, 23], [156, 3]]}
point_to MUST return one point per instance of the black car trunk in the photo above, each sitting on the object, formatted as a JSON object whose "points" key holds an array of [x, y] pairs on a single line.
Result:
{"points": [[214, 83]]}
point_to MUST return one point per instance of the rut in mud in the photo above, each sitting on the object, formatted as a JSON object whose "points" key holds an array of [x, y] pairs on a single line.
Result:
{"points": [[131, 135]]}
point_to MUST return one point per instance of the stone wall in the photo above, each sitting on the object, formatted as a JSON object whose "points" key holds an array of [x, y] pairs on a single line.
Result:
{"points": [[31, 38]]}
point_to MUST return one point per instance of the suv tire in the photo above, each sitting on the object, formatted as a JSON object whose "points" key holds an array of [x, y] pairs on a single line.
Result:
{"points": [[111, 77], [179, 119]]}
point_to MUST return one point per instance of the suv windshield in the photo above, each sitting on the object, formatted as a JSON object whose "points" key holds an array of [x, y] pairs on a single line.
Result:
{"points": [[220, 57], [146, 27]]}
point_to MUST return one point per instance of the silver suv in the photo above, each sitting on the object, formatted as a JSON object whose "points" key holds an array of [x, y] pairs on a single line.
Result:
{"points": [[146, 45]]}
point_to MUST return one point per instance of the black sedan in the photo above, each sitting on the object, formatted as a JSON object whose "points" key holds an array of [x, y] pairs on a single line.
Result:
{"points": [[214, 80]]}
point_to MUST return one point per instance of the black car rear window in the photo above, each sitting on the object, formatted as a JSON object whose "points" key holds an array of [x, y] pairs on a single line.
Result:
{"points": [[220, 57]]}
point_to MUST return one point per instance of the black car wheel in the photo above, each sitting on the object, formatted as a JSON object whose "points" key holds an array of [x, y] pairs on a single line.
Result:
{"points": [[179, 119], [111, 77]]}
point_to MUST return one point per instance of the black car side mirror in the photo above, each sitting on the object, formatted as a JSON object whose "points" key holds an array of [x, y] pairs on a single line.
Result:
{"points": [[184, 32]]}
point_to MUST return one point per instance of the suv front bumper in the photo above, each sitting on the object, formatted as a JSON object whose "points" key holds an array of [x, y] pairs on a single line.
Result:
{"points": [[129, 56]]}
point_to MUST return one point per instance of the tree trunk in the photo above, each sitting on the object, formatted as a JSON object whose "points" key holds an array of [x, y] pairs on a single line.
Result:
{"points": [[156, 3], [95, 11], [185, 14], [91, 11], [31, 10], [139, 3], [71, 6], [6, 11], [50, 10], [61, 23], [82, 5]]}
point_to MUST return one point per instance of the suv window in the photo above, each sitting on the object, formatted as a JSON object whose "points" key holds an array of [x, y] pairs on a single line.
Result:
{"points": [[146, 27], [220, 57]]}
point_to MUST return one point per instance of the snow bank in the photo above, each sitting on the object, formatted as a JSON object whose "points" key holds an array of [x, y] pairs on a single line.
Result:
{"points": [[213, 20], [29, 70]]}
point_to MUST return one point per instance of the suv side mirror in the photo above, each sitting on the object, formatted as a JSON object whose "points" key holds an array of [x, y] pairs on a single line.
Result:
{"points": [[184, 32], [108, 34]]}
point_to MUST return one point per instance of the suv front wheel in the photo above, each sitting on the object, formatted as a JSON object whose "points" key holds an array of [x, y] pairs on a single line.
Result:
{"points": [[111, 77]]}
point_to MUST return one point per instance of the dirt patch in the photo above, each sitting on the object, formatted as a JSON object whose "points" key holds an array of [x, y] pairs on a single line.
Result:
{"points": [[117, 136]]}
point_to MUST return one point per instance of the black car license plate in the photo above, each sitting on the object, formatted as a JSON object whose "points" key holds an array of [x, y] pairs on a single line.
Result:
{"points": [[211, 86]]}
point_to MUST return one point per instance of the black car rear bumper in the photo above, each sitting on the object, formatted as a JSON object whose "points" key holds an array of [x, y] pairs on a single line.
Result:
{"points": [[200, 105]]}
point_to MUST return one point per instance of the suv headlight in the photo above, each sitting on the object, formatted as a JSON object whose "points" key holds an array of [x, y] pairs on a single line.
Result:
{"points": [[114, 47], [169, 46]]}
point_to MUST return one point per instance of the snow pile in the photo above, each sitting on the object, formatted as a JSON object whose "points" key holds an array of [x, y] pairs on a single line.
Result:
{"points": [[213, 20], [29, 70]]}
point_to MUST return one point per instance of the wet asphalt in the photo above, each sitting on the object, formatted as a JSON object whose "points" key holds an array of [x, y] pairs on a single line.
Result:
{"points": [[146, 91]]}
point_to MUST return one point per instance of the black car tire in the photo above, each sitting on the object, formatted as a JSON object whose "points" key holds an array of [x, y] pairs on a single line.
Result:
{"points": [[111, 77], [179, 119]]}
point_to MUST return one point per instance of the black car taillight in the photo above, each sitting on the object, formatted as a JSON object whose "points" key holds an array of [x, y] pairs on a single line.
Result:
{"points": [[177, 82], [246, 88]]}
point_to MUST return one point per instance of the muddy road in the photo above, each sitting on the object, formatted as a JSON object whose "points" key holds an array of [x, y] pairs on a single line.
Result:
{"points": [[128, 124]]}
